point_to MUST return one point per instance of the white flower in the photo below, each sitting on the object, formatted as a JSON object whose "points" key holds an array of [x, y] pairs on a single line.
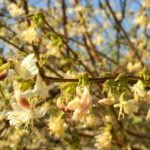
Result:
{"points": [[30, 35], [133, 67], [15, 10], [27, 69], [85, 101], [103, 140], [40, 88], [142, 19], [21, 115], [128, 107], [138, 90]]}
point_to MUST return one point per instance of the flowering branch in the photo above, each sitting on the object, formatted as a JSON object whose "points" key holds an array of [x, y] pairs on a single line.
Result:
{"points": [[131, 79]]}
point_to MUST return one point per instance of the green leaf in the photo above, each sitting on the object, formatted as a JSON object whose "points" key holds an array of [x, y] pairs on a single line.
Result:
{"points": [[135, 120], [107, 74]]}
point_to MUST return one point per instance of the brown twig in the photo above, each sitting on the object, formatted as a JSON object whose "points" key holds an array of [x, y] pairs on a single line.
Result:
{"points": [[25, 7], [131, 79], [122, 29], [10, 43], [94, 52], [138, 135], [65, 23], [72, 52]]}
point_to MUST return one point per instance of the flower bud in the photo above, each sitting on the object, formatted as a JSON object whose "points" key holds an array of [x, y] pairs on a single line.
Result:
{"points": [[5, 67], [60, 104], [85, 101], [3, 74], [105, 101]]}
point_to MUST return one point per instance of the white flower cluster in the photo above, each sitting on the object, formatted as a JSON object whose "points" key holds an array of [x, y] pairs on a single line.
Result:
{"points": [[25, 110], [27, 69]]}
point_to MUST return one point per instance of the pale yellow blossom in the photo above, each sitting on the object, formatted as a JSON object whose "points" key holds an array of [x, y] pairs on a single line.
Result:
{"points": [[139, 91], [142, 19], [21, 115], [40, 88], [128, 107], [27, 69], [103, 140], [14, 10], [134, 67], [57, 126], [30, 35]]}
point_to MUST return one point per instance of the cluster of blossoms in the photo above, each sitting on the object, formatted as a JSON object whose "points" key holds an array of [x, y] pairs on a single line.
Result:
{"points": [[77, 99], [24, 109], [80, 103], [67, 37]]}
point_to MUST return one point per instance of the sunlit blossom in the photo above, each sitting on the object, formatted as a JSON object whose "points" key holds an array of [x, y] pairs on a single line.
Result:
{"points": [[133, 67], [138, 90], [27, 69], [14, 10], [57, 126], [128, 107], [103, 140], [21, 115], [40, 89], [30, 35]]}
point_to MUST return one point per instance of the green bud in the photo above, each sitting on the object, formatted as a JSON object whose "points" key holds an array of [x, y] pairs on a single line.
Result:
{"points": [[5, 67]]}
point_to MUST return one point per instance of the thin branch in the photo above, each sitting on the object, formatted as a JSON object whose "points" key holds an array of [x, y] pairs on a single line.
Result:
{"points": [[53, 70], [138, 135], [88, 51], [25, 7], [64, 25], [122, 29], [10, 43], [94, 51], [131, 79], [68, 47]]}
